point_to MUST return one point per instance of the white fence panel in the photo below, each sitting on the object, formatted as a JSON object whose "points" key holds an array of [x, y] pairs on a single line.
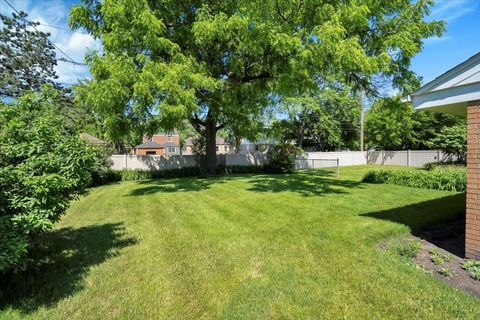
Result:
{"points": [[309, 160], [396, 158], [246, 159], [420, 158], [151, 162]]}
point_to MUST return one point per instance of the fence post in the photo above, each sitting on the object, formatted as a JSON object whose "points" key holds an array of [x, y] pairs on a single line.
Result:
{"points": [[408, 158], [338, 167], [438, 155], [126, 161], [383, 157]]}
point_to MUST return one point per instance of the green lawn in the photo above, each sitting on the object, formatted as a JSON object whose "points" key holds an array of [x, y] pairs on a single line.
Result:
{"points": [[240, 247]]}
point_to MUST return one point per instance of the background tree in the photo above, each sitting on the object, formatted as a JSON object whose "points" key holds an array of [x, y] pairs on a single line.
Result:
{"points": [[218, 62], [324, 120], [452, 141], [27, 59], [389, 125], [394, 125]]}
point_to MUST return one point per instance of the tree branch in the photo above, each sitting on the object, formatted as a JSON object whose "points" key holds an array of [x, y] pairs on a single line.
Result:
{"points": [[197, 124]]}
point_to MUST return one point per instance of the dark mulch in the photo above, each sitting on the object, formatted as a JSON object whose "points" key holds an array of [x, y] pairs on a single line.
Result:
{"points": [[448, 239]]}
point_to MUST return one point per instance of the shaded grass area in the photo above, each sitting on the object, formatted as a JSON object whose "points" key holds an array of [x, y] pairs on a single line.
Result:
{"points": [[251, 246]]}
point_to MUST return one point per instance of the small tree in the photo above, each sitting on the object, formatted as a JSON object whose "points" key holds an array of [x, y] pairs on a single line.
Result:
{"points": [[452, 141], [43, 166], [281, 158]]}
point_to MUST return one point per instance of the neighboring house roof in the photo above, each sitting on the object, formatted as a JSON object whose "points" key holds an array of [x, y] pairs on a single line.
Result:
{"points": [[91, 139], [150, 145], [154, 145], [260, 141], [218, 140], [450, 91]]}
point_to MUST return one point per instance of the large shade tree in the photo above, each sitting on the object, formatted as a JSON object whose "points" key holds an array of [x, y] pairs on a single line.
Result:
{"points": [[217, 62]]}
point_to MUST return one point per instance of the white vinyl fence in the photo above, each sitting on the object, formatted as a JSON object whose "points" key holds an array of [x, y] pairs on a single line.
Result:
{"points": [[310, 160]]}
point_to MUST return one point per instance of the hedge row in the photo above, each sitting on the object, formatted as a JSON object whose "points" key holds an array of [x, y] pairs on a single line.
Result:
{"points": [[138, 174], [444, 165], [439, 179]]}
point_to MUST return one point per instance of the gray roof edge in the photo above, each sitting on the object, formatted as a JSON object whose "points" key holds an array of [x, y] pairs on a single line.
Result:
{"points": [[459, 68]]}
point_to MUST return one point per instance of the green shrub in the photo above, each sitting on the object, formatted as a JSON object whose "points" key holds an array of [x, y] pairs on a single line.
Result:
{"points": [[446, 272], [100, 170], [408, 249], [137, 174], [444, 165], [474, 267], [281, 158], [470, 264], [436, 259], [233, 169], [43, 167], [440, 179]]}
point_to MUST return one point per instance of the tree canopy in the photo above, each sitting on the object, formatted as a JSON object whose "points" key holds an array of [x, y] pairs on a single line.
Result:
{"points": [[217, 63], [393, 125]]}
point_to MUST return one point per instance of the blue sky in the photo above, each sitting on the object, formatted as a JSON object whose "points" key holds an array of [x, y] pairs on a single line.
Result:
{"points": [[459, 42], [439, 54]]}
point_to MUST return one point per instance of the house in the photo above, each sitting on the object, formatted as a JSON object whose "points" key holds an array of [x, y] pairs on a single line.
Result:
{"points": [[260, 145], [223, 147], [92, 140], [457, 91], [164, 143]]}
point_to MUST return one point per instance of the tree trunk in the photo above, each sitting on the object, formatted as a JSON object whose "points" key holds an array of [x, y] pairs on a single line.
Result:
{"points": [[210, 146], [238, 142]]}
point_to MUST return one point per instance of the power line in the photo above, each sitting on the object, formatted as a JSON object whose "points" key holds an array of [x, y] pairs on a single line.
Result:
{"points": [[70, 59], [61, 28]]}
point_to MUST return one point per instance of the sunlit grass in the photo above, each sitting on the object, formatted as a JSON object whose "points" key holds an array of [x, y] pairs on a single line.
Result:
{"points": [[253, 246]]}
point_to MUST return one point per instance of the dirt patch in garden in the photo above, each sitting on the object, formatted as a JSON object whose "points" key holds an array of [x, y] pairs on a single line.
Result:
{"points": [[449, 242], [446, 242]]}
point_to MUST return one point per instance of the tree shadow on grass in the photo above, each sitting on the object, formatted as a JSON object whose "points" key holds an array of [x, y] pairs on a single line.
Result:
{"points": [[176, 185], [437, 221], [306, 183], [62, 260]]}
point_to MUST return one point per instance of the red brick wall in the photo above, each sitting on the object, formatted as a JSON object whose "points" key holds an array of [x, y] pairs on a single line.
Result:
{"points": [[472, 228], [143, 152]]}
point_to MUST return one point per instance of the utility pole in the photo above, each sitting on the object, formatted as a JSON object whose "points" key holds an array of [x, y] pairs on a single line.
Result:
{"points": [[361, 97]]}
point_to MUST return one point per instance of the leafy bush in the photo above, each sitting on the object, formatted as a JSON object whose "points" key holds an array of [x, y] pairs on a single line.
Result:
{"points": [[232, 169], [43, 167], [100, 170], [281, 158], [452, 141], [474, 267], [440, 179], [408, 249], [436, 259], [446, 272], [444, 165], [138, 174]]}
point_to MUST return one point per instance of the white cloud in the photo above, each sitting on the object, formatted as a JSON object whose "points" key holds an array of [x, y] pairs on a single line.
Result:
{"points": [[435, 40], [449, 10]]}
